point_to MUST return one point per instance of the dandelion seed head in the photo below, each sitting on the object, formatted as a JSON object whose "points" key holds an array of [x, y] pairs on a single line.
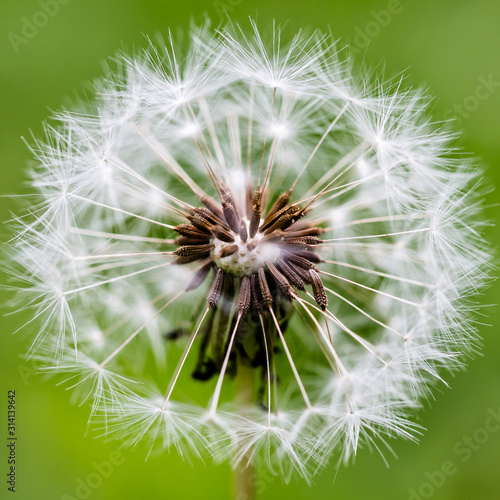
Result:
{"points": [[241, 249]]}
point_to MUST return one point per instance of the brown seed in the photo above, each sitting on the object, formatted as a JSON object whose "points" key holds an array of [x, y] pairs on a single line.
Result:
{"points": [[191, 231], [248, 199], [243, 231], [222, 234], [193, 249], [299, 260], [292, 218], [281, 202], [190, 253], [216, 289], [204, 219], [255, 213], [208, 215], [267, 298], [186, 240], [200, 276], [307, 254], [200, 223], [305, 241], [318, 290], [252, 245], [231, 216], [283, 283], [291, 275], [282, 220], [270, 220], [244, 296], [298, 232], [229, 250], [303, 273], [256, 298], [212, 205]]}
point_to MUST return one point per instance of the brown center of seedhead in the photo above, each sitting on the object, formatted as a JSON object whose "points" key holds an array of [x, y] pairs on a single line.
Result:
{"points": [[260, 262], [261, 257]]}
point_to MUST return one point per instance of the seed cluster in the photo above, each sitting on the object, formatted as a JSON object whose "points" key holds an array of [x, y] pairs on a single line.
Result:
{"points": [[264, 255]]}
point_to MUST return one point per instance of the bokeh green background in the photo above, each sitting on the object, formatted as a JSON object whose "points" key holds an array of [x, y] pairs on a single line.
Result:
{"points": [[447, 46]]}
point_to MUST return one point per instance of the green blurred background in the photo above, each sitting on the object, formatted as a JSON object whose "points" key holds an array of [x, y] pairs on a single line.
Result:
{"points": [[449, 46]]}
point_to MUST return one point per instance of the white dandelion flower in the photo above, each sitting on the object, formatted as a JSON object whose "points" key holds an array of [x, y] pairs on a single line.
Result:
{"points": [[238, 209]]}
